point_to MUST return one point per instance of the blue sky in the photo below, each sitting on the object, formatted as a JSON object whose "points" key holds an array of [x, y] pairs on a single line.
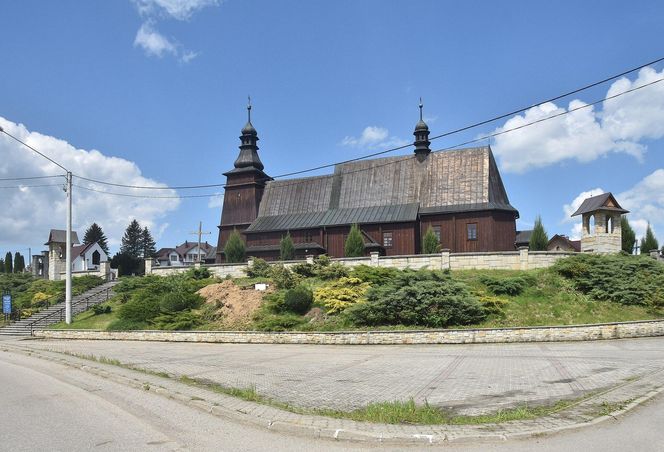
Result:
{"points": [[158, 88]]}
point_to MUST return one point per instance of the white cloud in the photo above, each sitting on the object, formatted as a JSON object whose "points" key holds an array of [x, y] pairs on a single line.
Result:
{"points": [[28, 213], [176, 9], [153, 42], [216, 202], [373, 137], [645, 201], [585, 135]]}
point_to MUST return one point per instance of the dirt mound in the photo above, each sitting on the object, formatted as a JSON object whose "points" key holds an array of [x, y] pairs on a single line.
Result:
{"points": [[235, 305]]}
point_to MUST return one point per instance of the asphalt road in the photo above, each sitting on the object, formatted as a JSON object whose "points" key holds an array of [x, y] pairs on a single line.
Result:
{"points": [[47, 406]]}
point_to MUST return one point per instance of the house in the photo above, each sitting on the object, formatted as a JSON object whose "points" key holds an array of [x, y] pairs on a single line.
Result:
{"points": [[87, 257], [186, 254], [51, 264], [394, 200], [563, 243]]}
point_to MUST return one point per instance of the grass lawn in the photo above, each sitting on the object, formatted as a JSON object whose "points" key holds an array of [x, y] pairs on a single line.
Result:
{"points": [[89, 321]]}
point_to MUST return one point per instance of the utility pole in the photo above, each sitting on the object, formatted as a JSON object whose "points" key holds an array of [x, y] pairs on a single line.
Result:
{"points": [[68, 252], [199, 233]]}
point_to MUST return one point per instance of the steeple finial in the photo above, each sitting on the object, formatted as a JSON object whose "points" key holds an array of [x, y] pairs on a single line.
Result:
{"points": [[421, 136], [421, 105], [249, 108]]}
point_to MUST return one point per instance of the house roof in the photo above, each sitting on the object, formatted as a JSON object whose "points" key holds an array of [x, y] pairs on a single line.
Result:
{"points": [[574, 244], [181, 250], [333, 217], [60, 236], [605, 201], [79, 250], [396, 188], [297, 246], [523, 236]]}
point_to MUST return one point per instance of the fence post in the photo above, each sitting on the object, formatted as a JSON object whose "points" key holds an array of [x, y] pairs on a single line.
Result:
{"points": [[523, 257], [375, 256], [309, 258], [445, 259]]}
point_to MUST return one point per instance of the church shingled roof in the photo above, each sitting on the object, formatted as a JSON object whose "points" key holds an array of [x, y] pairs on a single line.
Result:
{"points": [[599, 202]]}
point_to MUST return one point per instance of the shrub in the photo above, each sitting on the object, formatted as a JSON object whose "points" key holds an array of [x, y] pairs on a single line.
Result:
{"points": [[234, 250], [258, 269], [504, 286], [179, 301], [286, 248], [539, 238], [305, 270], [139, 309], [298, 300], [126, 325], [342, 294], [430, 243], [283, 278], [374, 275], [178, 321], [279, 322], [630, 280], [199, 273], [332, 271], [99, 309], [354, 246], [493, 305], [423, 298]]}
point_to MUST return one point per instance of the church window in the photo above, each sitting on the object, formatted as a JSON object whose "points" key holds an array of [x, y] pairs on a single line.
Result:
{"points": [[472, 231], [387, 239], [436, 232], [96, 257]]}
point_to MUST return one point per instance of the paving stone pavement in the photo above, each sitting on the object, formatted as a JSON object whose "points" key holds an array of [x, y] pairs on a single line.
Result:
{"points": [[468, 379]]}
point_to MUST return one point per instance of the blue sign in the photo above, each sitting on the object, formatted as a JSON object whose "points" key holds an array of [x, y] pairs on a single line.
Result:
{"points": [[7, 304]]}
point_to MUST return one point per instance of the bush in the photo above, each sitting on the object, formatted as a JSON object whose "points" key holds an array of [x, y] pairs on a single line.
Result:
{"points": [[126, 325], [259, 269], [99, 309], [298, 300], [374, 275], [286, 248], [283, 278], [179, 301], [178, 321], [354, 246], [234, 249], [279, 322], [139, 309], [504, 286], [430, 243], [332, 271], [199, 273], [630, 280], [342, 294], [305, 270], [422, 298], [493, 305]]}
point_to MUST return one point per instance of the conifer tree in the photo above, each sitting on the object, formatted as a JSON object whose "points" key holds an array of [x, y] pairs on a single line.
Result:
{"points": [[18, 262], [8, 263], [430, 243], [286, 248], [95, 234], [628, 235], [354, 246], [148, 244], [2, 265], [234, 250], [132, 240], [649, 242], [539, 238]]}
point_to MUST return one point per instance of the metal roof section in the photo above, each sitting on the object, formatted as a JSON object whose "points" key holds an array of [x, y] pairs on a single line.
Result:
{"points": [[605, 201]]}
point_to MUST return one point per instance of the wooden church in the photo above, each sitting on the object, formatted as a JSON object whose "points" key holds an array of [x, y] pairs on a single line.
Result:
{"points": [[394, 200]]}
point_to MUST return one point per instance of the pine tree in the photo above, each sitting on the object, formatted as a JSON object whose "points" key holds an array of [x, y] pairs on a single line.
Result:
{"points": [[2, 265], [95, 234], [8, 263], [539, 238], [132, 240], [649, 242], [234, 249], [354, 246], [286, 248], [430, 243], [18, 262], [628, 235], [148, 244]]}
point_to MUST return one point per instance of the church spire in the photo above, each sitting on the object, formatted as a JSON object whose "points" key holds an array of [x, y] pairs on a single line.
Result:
{"points": [[421, 135], [248, 157]]}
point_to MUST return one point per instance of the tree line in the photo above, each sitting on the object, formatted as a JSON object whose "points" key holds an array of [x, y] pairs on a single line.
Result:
{"points": [[15, 265]]}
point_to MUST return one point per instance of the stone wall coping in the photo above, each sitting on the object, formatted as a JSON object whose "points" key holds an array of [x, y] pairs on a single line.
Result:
{"points": [[490, 253]]}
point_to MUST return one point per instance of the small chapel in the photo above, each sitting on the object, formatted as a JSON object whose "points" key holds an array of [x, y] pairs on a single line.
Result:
{"points": [[393, 200]]}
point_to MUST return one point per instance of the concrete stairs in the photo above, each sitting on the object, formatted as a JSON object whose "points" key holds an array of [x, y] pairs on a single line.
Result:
{"points": [[56, 313]]}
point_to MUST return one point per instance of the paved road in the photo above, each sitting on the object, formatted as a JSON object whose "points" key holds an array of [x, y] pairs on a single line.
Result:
{"points": [[469, 379], [46, 406]]}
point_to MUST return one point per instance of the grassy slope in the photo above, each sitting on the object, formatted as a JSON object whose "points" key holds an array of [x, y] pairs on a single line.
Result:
{"points": [[89, 321]]}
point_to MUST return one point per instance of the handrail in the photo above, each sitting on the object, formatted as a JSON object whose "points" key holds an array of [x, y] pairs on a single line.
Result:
{"points": [[60, 311]]}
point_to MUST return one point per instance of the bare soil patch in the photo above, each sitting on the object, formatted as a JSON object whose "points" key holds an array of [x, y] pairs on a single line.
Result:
{"points": [[235, 305]]}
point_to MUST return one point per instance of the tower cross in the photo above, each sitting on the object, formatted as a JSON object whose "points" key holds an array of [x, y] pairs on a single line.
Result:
{"points": [[200, 233]]}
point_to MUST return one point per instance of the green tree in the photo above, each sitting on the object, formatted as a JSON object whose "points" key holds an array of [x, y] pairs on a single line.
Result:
{"points": [[649, 242], [8, 263], [628, 235], [2, 265], [286, 248], [127, 265], [132, 241], [148, 244], [19, 263], [234, 250], [354, 246], [95, 234], [430, 243], [539, 238]]}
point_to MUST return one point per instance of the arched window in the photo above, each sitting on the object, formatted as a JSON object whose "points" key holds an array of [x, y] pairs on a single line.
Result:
{"points": [[96, 257], [591, 225], [609, 224]]}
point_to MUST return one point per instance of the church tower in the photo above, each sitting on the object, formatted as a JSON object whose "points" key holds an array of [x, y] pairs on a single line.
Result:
{"points": [[421, 133], [244, 187], [600, 220]]}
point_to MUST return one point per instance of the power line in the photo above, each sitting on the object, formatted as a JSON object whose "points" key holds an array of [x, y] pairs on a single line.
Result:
{"points": [[147, 187], [148, 196], [31, 186], [30, 147], [29, 178]]}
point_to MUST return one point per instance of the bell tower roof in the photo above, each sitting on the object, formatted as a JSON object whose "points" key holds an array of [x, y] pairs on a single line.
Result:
{"points": [[421, 136], [248, 157]]}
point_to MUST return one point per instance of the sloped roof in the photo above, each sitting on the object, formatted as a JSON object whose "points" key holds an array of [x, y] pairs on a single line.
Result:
{"points": [[80, 249], [334, 217], [446, 181], [574, 244], [523, 236], [297, 246], [60, 236], [605, 201]]}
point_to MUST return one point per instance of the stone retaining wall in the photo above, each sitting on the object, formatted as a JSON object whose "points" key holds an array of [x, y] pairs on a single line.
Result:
{"points": [[476, 336]]}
